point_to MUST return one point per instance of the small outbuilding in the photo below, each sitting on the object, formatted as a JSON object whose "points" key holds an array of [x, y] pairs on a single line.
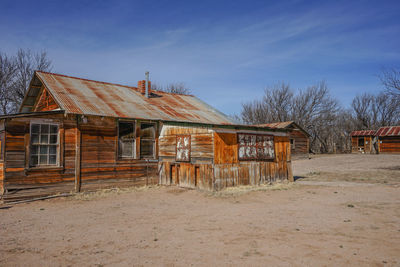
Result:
{"points": [[362, 141], [75, 134], [299, 138], [388, 139]]}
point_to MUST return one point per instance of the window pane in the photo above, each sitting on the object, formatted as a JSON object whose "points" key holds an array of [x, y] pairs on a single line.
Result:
{"points": [[126, 130], [44, 139], [44, 128], [34, 160], [53, 139], [35, 150], [53, 129], [43, 160], [53, 150], [146, 148], [52, 159], [35, 138], [147, 131], [126, 148], [126, 142], [44, 150], [35, 128]]}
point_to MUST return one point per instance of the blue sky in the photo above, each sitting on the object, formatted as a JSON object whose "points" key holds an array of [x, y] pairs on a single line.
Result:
{"points": [[227, 52]]}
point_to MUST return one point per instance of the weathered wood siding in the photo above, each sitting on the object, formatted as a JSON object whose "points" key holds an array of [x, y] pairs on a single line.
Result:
{"points": [[301, 142], [22, 182], [389, 144], [225, 148], [201, 143], [99, 166], [366, 148], [225, 169], [45, 102]]}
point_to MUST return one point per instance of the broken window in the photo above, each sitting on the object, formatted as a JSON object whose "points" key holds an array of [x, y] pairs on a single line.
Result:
{"points": [[292, 143], [361, 141], [183, 148], [44, 144], [147, 140], [256, 147], [126, 140]]}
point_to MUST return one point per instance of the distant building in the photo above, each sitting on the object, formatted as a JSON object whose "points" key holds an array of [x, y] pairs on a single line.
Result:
{"points": [[299, 138], [384, 140]]}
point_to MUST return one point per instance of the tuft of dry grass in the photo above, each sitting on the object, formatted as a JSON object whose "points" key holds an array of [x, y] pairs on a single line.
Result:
{"points": [[101, 193], [244, 189]]}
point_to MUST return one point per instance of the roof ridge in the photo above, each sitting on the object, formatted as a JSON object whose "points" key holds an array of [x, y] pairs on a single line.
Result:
{"points": [[90, 80]]}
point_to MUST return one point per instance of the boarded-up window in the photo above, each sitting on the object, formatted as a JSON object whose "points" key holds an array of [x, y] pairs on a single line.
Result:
{"points": [[255, 147], [292, 143], [44, 145], [147, 140], [126, 139], [183, 148]]}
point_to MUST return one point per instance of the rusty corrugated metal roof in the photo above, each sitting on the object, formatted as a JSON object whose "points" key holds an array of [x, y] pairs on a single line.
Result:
{"points": [[363, 133], [283, 125], [388, 131], [82, 96], [280, 125]]}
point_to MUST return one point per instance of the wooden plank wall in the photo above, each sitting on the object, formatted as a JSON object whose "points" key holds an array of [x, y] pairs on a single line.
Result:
{"points": [[100, 166], [201, 143], [390, 144], [20, 181], [226, 170], [301, 142], [367, 148], [45, 102]]}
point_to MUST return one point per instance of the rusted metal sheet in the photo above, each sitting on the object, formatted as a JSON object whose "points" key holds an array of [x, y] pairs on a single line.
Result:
{"points": [[363, 133], [388, 131], [82, 96]]}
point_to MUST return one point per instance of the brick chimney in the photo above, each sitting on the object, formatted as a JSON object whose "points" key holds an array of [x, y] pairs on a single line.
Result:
{"points": [[142, 87]]}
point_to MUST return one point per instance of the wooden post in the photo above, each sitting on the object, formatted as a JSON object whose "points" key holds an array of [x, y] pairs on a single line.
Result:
{"points": [[78, 158]]}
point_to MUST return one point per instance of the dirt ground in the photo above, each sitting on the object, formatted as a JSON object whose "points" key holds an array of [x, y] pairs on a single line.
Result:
{"points": [[342, 210]]}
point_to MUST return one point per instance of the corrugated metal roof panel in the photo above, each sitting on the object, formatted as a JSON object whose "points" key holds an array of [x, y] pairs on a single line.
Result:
{"points": [[279, 125], [388, 131], [363, 133], [81, 96]]}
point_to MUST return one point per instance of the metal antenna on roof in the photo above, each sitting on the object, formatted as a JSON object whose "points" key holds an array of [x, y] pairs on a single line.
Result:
{"points": [[147, 84]]}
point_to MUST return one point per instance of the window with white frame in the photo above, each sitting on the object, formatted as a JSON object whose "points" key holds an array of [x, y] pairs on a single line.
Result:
{"points": [[44, 144], [126, 140]]}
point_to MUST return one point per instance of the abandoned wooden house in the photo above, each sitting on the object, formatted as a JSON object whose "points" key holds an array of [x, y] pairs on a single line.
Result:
{"points": [[75, 134], [299, 138], [388, 139], [362, 141]]}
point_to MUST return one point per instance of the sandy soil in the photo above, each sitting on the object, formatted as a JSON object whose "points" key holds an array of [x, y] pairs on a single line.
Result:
{"points": [[353, 222]]}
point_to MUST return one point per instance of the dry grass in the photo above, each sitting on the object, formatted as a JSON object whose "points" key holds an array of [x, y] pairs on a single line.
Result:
{"points": [[244, 189], [101, 193]]}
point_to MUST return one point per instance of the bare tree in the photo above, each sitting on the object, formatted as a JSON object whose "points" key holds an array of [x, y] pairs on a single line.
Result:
{"points": [[26, 63], [362, 111], [390, 78], [374, 111], [313, 109], [175, 88], [7, 73]]}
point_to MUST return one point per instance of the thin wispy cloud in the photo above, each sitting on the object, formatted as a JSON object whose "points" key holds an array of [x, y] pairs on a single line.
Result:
{"points": [[227, 54]]}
